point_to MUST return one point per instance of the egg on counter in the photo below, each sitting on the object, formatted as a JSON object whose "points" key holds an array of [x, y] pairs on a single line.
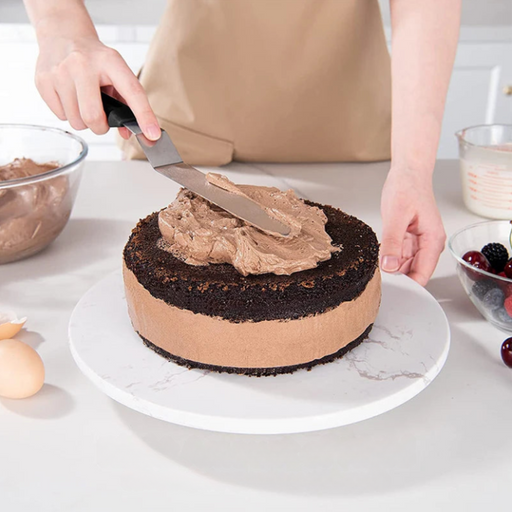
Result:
{"points": [[10, 325], [21, 370]]}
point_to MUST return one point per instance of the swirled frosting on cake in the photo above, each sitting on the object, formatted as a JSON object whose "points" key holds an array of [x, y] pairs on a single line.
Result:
{"points": [[200, 233]]}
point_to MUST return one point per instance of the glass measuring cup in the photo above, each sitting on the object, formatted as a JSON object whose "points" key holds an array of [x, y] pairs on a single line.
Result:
{"points": [[486, 169]]}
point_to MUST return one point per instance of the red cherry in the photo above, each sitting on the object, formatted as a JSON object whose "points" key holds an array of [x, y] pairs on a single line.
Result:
{"points": [[506, 286], [506, 352], [478, 260], [508, 269]]}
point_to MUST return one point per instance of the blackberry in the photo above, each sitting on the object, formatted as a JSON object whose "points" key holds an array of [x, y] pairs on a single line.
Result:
{"points": [[502, 315], [493, 299], [480, 288], [497, 255]]}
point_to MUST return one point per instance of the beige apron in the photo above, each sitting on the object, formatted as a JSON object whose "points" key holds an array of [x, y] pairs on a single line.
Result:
{"points": [[271, 81]]}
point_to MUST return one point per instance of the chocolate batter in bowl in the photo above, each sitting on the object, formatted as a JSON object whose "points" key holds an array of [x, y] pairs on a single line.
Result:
{"points": [[40, 171]]}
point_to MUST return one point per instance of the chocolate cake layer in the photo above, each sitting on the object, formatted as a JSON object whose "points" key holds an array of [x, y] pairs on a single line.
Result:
{"points": [[259, 372], [218, 290], [267, 344]]}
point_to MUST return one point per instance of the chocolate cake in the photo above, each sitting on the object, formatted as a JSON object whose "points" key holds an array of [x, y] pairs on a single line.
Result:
{"points": [[213, 317]]}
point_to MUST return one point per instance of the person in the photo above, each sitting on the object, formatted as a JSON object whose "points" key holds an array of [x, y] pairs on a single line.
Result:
{"points": [[281, 81]]}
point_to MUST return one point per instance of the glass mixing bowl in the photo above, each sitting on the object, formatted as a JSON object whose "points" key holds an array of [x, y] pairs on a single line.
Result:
{"points": [[35, 209], [487, 291], [486, 169]]}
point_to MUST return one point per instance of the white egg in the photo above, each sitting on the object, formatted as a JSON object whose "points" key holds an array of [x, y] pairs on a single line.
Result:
{"points": [[21, 370]]}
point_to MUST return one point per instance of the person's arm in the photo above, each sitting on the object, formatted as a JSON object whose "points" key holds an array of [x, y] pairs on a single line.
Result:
{"points": [[424, 42], [73, 64]]}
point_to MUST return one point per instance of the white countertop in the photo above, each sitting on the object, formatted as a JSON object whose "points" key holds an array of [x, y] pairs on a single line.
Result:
{"points": [[71, 448]]}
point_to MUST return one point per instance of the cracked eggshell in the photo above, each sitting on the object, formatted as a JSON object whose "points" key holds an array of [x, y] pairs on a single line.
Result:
{"points": [[10, 324]]}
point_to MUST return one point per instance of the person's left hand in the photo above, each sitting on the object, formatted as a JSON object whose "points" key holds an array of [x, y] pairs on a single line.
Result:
{"points": [[413, 236]]}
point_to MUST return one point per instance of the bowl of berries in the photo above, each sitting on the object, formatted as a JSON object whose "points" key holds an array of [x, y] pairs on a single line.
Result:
{"points": [[484, 265]]}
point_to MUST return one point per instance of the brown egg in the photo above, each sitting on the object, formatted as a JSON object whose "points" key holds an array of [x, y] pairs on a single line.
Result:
{"points": [[10, 325], [21, 370]]}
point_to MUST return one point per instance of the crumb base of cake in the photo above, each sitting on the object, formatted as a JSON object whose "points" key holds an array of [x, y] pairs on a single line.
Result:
{"points": [[220, 291], [258, 372]]}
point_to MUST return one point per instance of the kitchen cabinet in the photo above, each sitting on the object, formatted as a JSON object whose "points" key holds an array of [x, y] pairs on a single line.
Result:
{"points": [[480, 91]]}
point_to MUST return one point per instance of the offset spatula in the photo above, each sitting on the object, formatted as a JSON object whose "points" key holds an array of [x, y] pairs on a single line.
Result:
{"points": [[164, 157]]}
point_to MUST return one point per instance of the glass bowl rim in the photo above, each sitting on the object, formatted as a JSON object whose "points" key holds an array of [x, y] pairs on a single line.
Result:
{"points": [[460, 135], [53, 172], [465, 263]]}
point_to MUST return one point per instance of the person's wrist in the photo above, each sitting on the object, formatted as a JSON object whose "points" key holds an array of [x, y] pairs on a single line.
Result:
{"points": [[420, 175], [57, 26], [67, 43]]}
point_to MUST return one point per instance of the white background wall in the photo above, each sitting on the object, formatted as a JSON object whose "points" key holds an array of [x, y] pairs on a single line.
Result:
{"points": [[474, 12], [147, 12]]}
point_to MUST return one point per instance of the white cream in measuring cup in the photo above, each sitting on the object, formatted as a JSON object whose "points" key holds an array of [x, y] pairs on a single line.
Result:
{"points": [[486, 170]]}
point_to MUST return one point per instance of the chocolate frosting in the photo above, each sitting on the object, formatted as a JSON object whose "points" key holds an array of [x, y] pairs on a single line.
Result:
{"points": [[31, 215], [266, 344], [199, 233], [23, 168]]}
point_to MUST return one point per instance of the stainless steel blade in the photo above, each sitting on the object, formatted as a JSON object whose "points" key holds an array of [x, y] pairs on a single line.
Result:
{"points": [[165, 159]]}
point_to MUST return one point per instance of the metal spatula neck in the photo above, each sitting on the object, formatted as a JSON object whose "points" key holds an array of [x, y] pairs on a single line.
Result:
{"points": [[164, 157]]}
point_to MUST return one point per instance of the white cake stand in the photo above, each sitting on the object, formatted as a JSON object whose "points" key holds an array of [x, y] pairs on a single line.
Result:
{"points": [[406, 350]]}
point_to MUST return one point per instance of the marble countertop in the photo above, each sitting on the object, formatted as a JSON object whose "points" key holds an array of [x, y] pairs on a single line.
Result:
{"points": [[71, 448]]}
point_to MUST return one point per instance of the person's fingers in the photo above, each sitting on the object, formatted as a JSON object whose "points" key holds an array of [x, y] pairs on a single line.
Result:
{"points": [[393, 234], [89, 103], [132, 91], [68, 97], [50, 96], [425, 260], [406, 265], [125, 133], [111, 91]]}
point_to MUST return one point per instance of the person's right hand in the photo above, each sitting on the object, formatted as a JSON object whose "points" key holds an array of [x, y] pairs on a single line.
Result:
{"points": [[69, 75]]}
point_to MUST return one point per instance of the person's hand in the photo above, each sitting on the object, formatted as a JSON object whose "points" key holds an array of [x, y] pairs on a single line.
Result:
{"points": [[70, 73], [413, 236]]}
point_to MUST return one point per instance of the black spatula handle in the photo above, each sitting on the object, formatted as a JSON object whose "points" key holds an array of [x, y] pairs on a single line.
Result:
{"points": [[118, 114]]}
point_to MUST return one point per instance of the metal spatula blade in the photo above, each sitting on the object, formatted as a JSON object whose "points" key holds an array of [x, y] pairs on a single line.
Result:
{"points": [[165, 159]]}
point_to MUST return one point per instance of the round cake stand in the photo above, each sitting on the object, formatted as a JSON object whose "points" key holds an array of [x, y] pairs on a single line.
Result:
{"points": [[406, 350]]}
